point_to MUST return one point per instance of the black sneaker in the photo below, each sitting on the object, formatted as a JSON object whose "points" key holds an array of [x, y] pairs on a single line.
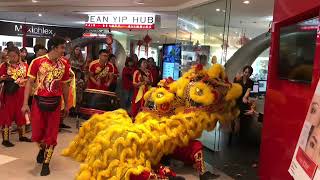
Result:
{"points": [[40, 157], [208, 175], [45, 171], [176, 178], [64, 126], [24, 139], [7, 144]]}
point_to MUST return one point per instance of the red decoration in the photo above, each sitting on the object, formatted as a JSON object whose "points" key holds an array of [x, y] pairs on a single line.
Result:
{"points": [[140, 43], [109, 41], [199, 67], [147, 39], [243, 40]]}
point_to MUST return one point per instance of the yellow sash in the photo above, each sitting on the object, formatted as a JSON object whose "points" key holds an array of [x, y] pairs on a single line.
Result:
{"points": [[140, 93], [72, 94]]}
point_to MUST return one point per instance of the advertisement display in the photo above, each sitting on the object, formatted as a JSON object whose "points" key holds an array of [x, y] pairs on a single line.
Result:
{"points": [[171, 61], [306, 159]]}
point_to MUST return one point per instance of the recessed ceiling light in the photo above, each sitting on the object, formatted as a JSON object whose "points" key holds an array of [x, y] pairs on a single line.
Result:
{"points": [[35, 1], [40, 14], [220, 34], [140, 2], [218, 10], [246, 2]]}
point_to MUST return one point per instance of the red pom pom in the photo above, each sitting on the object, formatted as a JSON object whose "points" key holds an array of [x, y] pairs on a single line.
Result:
{"points": [[199, 67], [169, 80]]}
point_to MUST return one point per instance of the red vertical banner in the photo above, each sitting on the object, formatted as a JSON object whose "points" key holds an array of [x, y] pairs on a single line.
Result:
{"points": [[24, 35]]}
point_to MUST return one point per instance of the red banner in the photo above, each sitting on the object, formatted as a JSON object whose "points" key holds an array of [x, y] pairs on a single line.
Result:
{"points": [[306, 163], [119, 26]]}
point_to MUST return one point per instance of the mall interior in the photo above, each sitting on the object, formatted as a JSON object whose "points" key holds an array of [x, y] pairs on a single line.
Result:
{"points": [[160, 89]]}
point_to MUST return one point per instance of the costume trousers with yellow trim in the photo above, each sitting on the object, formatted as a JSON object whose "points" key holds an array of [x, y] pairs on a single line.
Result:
{"points": [[45, 125], [11, 110]]}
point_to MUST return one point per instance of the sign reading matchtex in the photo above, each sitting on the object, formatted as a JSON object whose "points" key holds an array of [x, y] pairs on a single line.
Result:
{"points": [[119, 21]]}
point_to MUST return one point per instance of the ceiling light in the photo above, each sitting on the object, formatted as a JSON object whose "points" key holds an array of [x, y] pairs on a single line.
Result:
{"points": [[218, 10], [220, 34], [141, 2], [34, 1], [39, 14], [158, 41], [246, 2]]}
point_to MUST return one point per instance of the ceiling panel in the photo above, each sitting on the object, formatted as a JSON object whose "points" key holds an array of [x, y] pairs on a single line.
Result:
{"points": [[109, 3]]}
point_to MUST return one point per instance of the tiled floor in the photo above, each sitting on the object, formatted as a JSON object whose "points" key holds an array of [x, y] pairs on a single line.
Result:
{"points": [[18, 163]]}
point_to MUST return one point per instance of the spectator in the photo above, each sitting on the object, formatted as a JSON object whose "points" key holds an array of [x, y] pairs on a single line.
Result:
{"points": [[10, 44], [155, 71], [127, 81], [135, 59], [76, 58], [114, 72], [86, 69], [4, 55], [80, 84], [39, 50], [23, 54], [243, 101], [142, 79]]}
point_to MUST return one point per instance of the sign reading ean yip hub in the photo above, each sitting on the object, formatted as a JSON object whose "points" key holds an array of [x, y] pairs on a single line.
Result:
{"points": [[119, 21]]}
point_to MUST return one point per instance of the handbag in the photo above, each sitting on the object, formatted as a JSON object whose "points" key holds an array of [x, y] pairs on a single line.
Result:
{"points": [[10, 87], [48, 104]]}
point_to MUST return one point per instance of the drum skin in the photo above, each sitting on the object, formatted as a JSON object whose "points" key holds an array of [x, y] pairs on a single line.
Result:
{"points": [[100, 100]]}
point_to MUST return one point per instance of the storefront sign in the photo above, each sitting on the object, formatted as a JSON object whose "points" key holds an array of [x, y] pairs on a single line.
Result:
{"points": [[118, 21], [15, 29], [306, 159], [36, 30]]}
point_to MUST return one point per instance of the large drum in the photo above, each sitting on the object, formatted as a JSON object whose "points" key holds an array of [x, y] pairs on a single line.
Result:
{"points": [[98, 101]]}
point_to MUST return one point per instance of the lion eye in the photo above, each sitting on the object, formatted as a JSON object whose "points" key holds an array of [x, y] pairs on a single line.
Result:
{"points": [[160, 95], [199, 92]]}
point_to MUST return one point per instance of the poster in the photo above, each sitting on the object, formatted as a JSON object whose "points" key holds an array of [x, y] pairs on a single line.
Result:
{"points": [[305, 163]]}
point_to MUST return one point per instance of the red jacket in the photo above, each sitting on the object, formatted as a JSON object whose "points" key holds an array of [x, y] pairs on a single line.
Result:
{"points": [[127, 78], [155, 75]]}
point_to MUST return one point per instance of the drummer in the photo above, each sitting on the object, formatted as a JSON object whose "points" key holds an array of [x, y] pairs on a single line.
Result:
{"points": [[100, 72]]}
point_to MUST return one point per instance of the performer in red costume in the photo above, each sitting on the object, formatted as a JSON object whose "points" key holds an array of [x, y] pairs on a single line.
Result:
{"points": [[14, 73], [142, 79], [49, 74], [99, 71], [114, 72]]}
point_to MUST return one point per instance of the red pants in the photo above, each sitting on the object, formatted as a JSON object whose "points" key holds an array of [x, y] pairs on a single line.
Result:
{"points": [[187, 154], [136, 107], [143, 176], [11, 110], [45, 125]]}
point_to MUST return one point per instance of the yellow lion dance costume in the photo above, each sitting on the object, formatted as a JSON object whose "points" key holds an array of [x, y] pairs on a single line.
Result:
{"points": [[112, 146]]}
